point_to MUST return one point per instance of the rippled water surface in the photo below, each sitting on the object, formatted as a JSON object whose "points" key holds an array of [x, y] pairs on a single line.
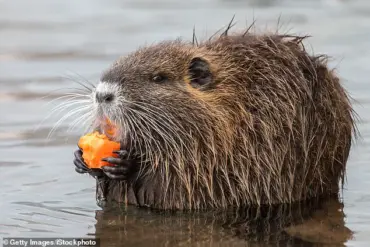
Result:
{"points": [[47, 45]]}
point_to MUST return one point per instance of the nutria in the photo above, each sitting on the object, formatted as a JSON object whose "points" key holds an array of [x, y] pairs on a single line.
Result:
{"points": [[238, 119]]}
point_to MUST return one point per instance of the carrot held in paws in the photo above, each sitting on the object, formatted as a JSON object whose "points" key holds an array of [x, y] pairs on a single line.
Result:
{"points": [[95, 147]]}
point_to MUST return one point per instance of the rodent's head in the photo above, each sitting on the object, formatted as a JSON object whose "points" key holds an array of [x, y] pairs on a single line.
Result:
{"points": [[164, 99]]}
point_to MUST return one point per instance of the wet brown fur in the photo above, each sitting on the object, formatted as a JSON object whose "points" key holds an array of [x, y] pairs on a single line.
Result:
{"points": [[275, 126]]}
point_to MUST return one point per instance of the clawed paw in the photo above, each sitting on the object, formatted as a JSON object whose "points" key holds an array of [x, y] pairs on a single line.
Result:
{"points": [[82, 168], [121, 167]]}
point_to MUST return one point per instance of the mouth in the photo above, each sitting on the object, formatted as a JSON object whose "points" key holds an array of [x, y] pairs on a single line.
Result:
{"points": [[107, 122], [113, 131], [108, 127]]}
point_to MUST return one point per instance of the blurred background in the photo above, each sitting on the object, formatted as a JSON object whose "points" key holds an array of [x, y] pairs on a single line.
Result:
{"points": [[50, 44]]}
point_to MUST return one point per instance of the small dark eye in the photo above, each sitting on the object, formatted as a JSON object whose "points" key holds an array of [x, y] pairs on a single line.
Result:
{"points": [[159, 78]]}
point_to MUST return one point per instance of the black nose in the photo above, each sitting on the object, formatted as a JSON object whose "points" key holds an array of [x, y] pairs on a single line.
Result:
{"points": [[104, 97]]}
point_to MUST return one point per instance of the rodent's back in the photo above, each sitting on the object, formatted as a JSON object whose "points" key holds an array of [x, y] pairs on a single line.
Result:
{"points": [[294, 119]]}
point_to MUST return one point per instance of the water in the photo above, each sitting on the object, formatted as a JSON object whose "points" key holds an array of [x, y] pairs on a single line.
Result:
{"points": [[46, 45]]}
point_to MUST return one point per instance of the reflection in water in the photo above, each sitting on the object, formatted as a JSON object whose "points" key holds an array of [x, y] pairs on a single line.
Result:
{"points": [[305, 224]]}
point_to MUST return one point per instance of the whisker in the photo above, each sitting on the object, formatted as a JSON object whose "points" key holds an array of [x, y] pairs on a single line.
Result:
{"points": [[152, 122], [83, 78], [63, 106], [59, 108], [80, 119], [133, 124], [85, 87], [74, 91], [71, 96], [62, 119], [164, 120]]}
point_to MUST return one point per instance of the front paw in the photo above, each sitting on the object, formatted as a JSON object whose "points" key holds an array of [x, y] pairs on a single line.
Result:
{"points": [[82, 168], [121, 167]]}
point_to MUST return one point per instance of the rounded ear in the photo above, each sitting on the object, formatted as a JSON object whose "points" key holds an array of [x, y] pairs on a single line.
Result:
{"points": [[199, 72]]}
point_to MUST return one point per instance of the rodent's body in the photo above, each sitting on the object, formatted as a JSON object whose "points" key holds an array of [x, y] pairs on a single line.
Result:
{"points": [[263, 123]]}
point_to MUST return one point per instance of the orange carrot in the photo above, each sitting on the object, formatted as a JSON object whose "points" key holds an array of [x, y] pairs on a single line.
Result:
{"points": [[96, 146]]}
